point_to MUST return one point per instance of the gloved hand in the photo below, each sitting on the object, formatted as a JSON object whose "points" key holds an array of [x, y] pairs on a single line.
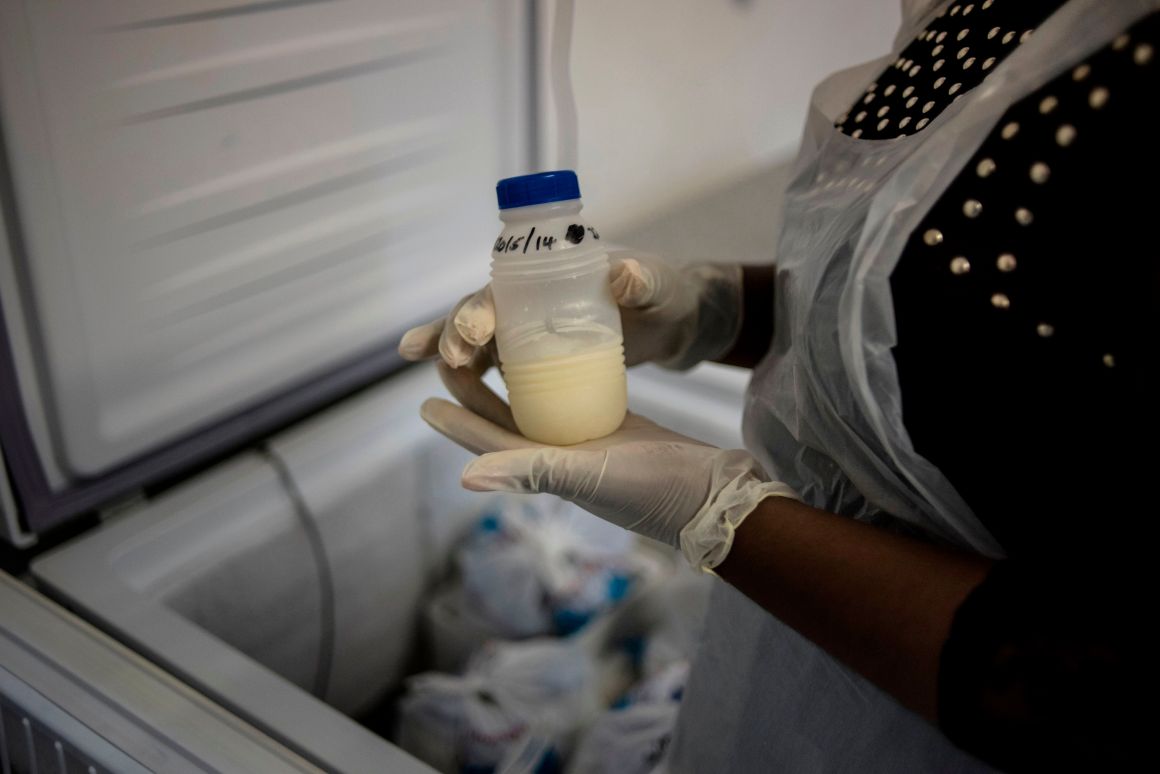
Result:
{"points": [[674, 316], [643, 477]]}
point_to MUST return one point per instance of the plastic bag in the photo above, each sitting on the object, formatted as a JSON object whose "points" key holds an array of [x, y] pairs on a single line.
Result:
{"points": [[626, 741], [544, 567], [532, 754], [662, 622], [454, 628], [634, 735], [513, 694], [531, 568], [457, 724], [666, 684], [520, 706], [500, 570]]}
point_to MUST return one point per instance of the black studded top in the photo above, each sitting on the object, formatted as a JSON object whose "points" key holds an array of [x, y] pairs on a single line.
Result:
{"points": [[1026, 309]]}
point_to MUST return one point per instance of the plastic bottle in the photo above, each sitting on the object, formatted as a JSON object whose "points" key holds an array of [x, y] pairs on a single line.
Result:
{"points": [[558, 332]]}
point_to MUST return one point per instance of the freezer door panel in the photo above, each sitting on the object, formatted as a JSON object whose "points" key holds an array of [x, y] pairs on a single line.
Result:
{"points": [[220, 200]]}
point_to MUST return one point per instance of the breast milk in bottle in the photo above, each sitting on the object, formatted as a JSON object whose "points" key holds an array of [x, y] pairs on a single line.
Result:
{"points": [[558, 330]]}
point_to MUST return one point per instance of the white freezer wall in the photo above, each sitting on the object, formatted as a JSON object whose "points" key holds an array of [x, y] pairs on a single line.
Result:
{"points": [[680, 97]]}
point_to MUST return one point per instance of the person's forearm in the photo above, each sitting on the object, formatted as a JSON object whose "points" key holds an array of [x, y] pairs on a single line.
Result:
{"points": [[880, 602], [756, 332]]}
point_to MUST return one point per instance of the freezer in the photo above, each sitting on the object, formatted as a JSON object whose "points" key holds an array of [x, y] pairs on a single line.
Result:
{"points": [[231, 543], [199, 363], [286, 584]]}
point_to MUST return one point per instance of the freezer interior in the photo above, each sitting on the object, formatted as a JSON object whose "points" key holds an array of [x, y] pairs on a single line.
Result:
{"points": [[292, 583]]}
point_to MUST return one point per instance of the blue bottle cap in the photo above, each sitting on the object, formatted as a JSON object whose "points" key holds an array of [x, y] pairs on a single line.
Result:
{"points": [[540, 188]]}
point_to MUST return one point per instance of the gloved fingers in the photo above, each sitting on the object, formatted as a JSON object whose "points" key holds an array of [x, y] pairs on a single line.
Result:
{"points": [[454, 349], [474, 320], [466, 386], [569, 473], [471, 324], [470, 430], [422, 342], [485, 357], [634, 284]]}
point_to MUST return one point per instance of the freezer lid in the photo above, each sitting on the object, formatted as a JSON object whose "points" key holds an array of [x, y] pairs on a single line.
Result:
{"points": [[218, 204]]}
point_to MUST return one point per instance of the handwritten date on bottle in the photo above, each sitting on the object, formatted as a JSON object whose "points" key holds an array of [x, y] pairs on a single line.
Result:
{"points": [[521, 244]]}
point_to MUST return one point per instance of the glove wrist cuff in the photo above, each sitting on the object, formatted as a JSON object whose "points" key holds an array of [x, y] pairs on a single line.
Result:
{"points": [[708, 537]]}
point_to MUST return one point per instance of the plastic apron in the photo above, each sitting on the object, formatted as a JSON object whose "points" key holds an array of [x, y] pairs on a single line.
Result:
{"points": [[823, 413]]}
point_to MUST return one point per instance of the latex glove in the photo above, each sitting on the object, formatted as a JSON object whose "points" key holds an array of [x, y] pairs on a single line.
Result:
{"points": [[674, 316], [643, 477]]}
